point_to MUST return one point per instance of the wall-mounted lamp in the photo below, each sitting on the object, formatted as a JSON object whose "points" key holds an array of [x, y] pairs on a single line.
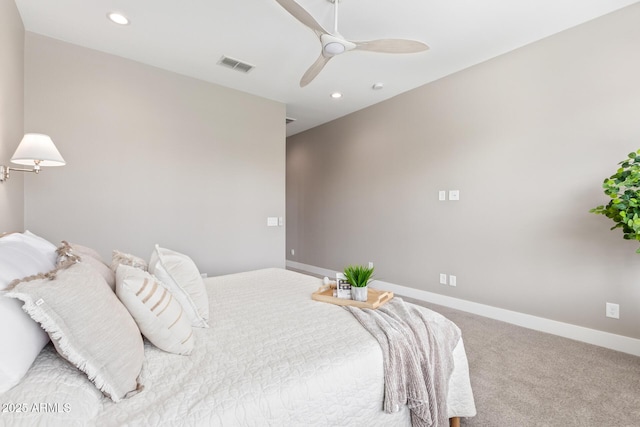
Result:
{"points": [[35, 150]]}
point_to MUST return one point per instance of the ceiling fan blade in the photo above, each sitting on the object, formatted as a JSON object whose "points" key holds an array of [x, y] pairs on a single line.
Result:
{"points": [[314, 70], [392, 46], [301, 15]]}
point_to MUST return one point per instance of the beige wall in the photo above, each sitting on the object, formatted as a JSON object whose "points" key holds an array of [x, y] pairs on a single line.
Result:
{"points": [[153, 157], [11, 112], [527, 138]]}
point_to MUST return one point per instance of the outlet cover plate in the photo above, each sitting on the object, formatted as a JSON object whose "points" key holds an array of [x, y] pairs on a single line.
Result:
{"points": [[613, 310]]}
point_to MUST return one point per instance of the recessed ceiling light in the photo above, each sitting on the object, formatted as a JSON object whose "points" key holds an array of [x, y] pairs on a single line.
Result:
{"points": [[336, 95], [118, 18]]}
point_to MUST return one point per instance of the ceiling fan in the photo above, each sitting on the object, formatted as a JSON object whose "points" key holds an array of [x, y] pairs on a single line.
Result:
{"points": [[334, 44]]}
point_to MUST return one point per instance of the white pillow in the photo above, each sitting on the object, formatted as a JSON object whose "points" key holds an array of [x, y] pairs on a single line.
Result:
{"points": [[21, 338], [181, 276], [87, 324], [41, 244], [158, 314]]}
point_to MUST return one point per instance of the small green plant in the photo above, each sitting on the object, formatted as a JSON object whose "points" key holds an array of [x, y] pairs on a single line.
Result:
{"points": [[623, 188], [358, 275]]}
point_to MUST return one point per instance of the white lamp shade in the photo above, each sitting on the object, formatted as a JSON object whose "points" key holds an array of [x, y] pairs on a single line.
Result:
{"points": [[36, 146]]}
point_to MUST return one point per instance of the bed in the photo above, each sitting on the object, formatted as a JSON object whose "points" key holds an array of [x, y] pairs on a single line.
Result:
{"points": [[271, 356]]}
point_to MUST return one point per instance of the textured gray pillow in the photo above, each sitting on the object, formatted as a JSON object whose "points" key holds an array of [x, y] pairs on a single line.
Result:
{"points": [[87, 324], [87, 255]]}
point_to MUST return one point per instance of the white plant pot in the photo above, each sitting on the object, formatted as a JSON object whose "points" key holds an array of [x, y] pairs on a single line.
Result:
{"points": [[359, 294]]}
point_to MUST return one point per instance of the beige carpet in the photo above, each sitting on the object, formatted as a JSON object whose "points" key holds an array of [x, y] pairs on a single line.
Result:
{"points": [[523, 378]]}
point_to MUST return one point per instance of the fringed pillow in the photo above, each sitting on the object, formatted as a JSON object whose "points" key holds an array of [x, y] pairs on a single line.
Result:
{"points": [[87, 324], [89, 256], [121, 258]]}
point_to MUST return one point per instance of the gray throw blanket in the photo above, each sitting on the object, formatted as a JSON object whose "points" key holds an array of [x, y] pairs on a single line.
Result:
{"points": [[417, 346]]}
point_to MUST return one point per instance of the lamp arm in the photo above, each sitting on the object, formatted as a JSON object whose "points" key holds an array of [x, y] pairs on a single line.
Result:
{"points": [[4, 171]]}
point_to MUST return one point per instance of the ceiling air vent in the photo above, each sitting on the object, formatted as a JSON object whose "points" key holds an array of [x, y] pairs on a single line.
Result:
{"points": [[235, 64], [289, 120]]}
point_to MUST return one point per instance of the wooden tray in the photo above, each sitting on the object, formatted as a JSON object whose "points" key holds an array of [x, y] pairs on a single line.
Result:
{"points": [[375, 298]]}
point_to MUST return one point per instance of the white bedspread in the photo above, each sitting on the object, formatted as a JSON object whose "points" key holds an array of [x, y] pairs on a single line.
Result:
{"points": [[272, 356]]}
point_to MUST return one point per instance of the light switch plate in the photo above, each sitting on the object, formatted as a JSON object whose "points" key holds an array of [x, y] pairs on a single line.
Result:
{"points": [[272, 221], [442, 195], [443, 279], [454, 194]]}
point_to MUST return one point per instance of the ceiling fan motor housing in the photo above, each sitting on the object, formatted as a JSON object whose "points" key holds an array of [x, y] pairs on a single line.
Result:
{"points": [[332, 45]]}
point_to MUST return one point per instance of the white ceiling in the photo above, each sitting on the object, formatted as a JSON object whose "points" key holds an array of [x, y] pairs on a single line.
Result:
{"points": [[189, 37]]}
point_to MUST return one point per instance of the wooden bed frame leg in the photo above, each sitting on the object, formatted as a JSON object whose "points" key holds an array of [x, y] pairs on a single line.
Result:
{"points": [[454, 422]]}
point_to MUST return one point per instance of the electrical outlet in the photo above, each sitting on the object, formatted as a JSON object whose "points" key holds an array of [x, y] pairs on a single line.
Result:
{"points": [[452, 280], [293, 251], [613, 310], [454, 195], [370, 264], [443, 279]]}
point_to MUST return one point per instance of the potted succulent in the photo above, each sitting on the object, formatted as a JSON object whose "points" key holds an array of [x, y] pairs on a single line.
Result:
{"points": [[358, 277], [623, 188]]}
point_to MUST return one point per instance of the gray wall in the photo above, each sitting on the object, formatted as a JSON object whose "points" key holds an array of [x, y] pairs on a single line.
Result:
{"points": [[11, 112], [527, 138], [153, 157]]}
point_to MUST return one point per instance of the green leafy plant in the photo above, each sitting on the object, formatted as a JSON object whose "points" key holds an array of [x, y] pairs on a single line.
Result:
{"points": [[358, 275], [623, 188]]}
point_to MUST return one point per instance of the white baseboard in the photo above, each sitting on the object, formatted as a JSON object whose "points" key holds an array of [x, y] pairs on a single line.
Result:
{"points": [[566, 330]]}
